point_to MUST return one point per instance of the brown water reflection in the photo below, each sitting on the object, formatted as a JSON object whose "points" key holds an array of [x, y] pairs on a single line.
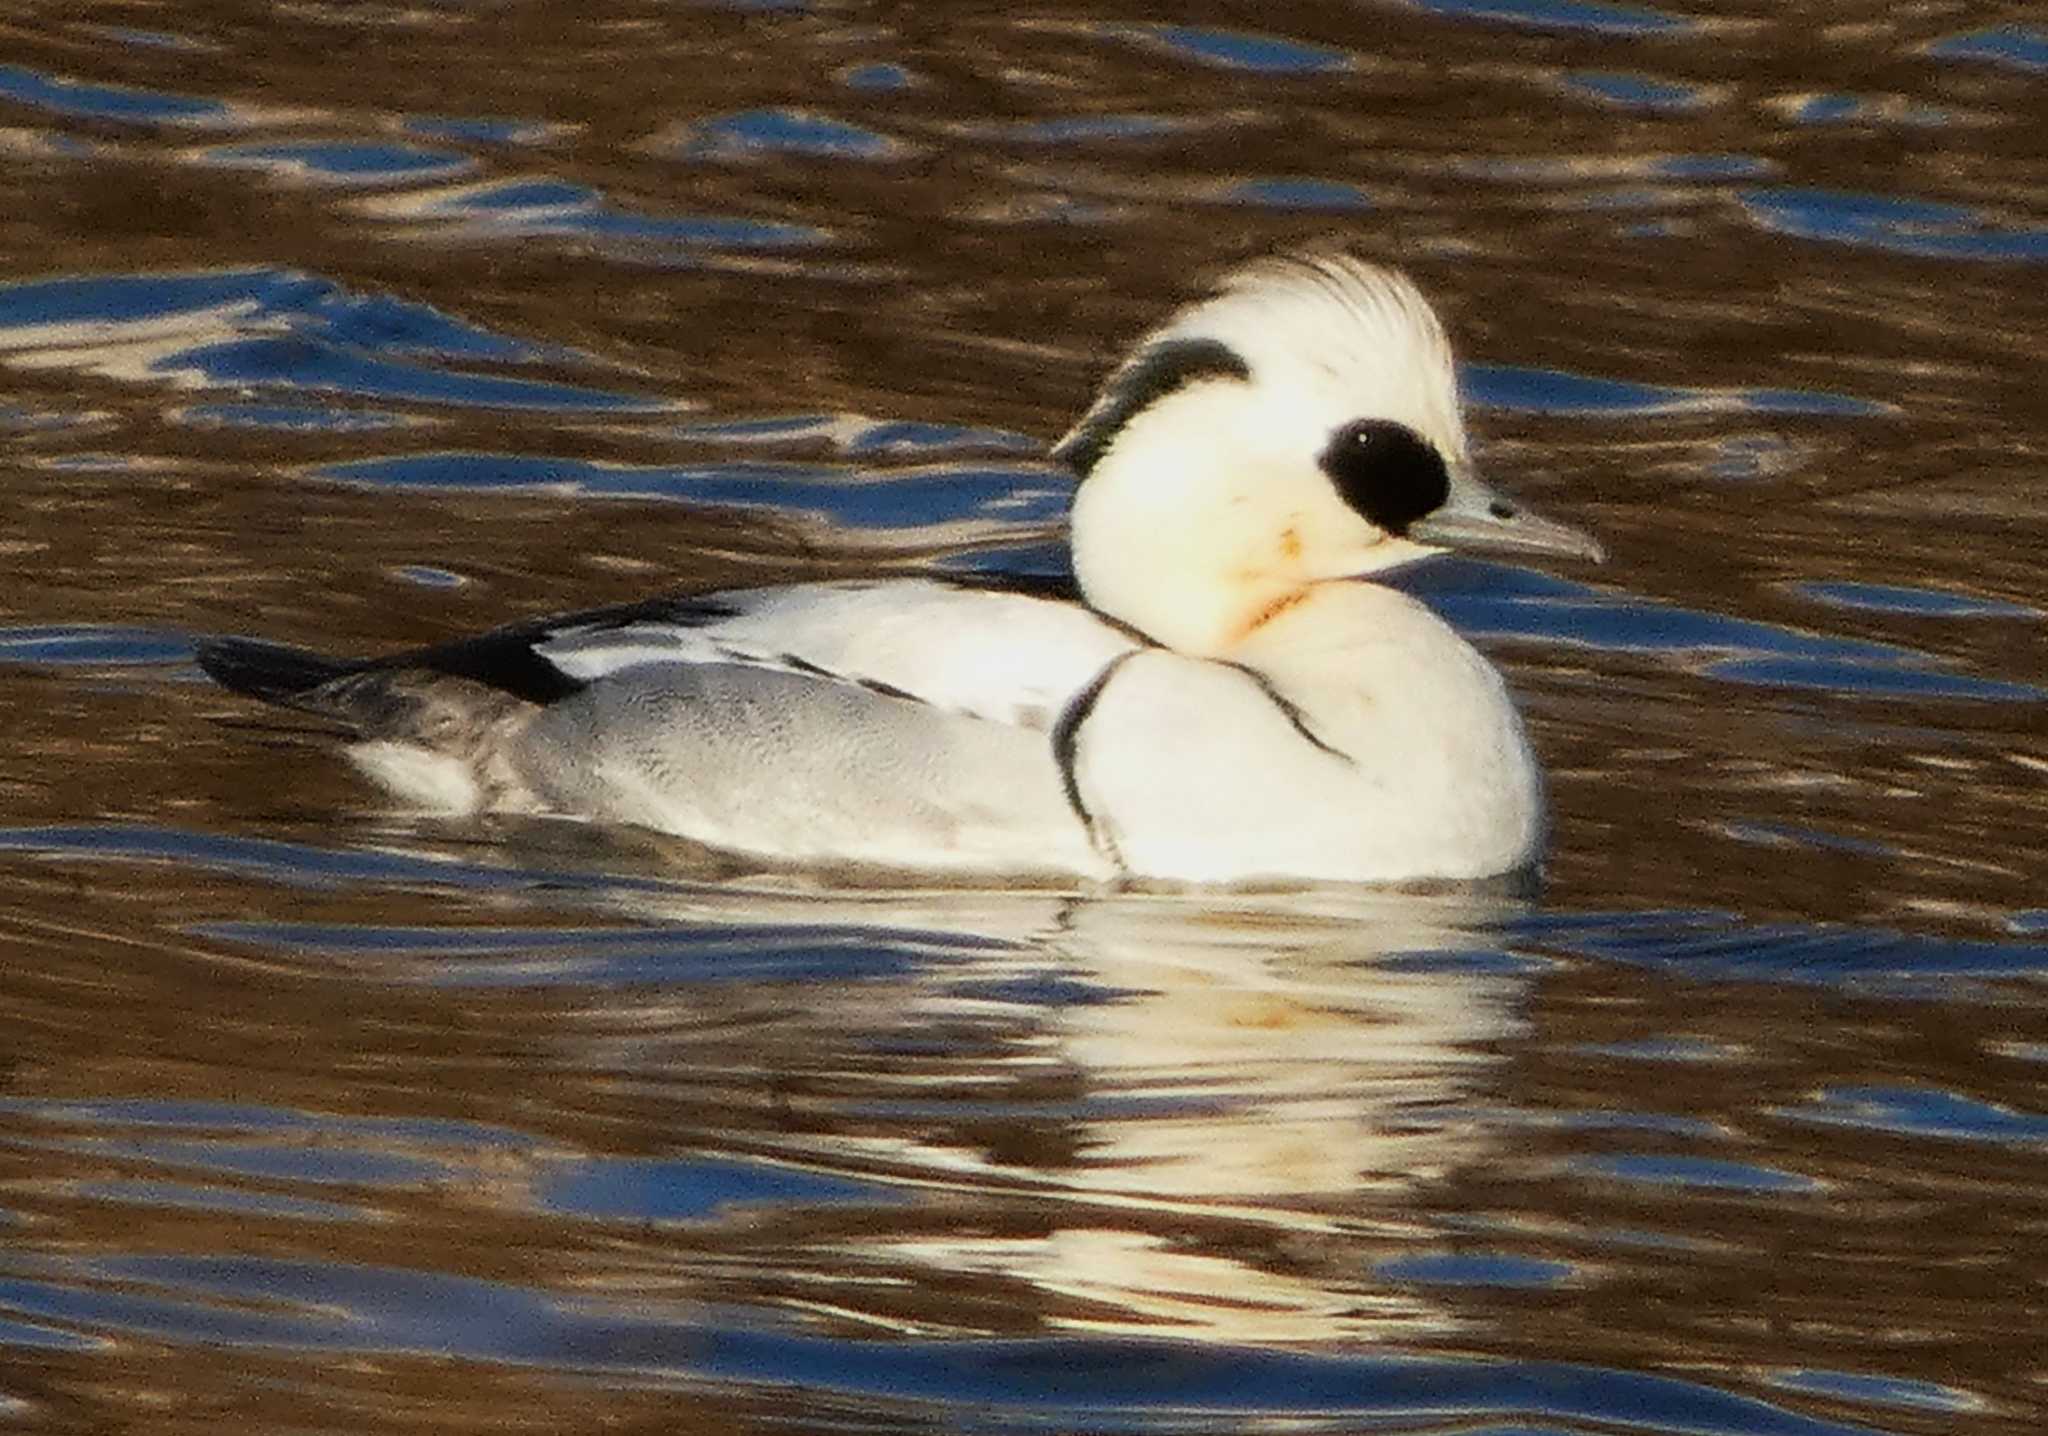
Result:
{"points": [[1751, 1097]]}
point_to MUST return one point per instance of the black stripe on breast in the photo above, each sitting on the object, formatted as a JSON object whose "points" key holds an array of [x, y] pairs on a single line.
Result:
{"points": [[1066, 751], [1291, 713]]}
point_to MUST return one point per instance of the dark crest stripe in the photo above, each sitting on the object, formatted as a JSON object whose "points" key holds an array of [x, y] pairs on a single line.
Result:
{"points": [[1150, 376]]}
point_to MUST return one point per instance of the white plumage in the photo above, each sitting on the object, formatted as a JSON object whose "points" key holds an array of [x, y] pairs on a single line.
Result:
{"points": [[1228, 698]]}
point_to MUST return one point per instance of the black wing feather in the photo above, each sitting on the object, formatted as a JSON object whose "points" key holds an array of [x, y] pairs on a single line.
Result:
{"points": [[508, 659], [274, 672], [504, 658]]}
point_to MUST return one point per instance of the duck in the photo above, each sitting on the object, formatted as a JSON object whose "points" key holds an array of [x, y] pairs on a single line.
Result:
{"points": [[1224, 691]]}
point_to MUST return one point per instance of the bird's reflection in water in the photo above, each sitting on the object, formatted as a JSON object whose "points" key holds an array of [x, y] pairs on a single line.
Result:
{"points": [[1188, 1115]]}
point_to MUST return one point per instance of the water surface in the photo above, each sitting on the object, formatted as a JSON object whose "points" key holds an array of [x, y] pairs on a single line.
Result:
{"points": [[364, 326]]}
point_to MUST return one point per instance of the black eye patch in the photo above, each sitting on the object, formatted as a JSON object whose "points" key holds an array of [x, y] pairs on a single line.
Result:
{"points": [[1387, 472]]}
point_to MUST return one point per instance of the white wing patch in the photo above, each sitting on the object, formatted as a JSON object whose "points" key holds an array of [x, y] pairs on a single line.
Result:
{"points": [[1008, 657]]}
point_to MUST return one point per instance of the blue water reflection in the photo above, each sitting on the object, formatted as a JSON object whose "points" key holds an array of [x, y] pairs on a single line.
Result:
{"points": [[90, 644], [26, 1336], [1877, 1390], [1577, 169], [319, 1166], [1893, 222], [1796, 835], [1079, 129], [1589, 15], [1710, 166], [343, 162], [1494, 601], [858, 434], [1871, 681], [334, 341], [861, 499], [1687, 1050], [522, 207], [780, 131], [1241, 50], [224, 1200], [1297, 192], [1719, 949], [1919, 602], [291, 418], [880, 76], [153, 39], [1636, 92], [215, 1118], [91, 302], [295, 363], [84, 100], [1835, 109], [298, 864], [1697, 1173], [1923, 1112], [1554, 391], [483, 957], [427, 576], [1475, 1269], [2023, 47], [693, 1188], [485, 129], [1076, 1380]]}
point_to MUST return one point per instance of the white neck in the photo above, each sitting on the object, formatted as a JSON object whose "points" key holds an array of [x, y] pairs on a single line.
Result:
{"points": [[1196, 526]]}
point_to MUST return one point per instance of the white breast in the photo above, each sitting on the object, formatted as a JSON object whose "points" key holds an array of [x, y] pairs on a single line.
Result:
{"points": [[1362, 741]]}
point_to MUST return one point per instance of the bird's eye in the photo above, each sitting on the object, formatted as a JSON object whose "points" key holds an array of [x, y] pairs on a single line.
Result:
{"points": [[1387, 472]]}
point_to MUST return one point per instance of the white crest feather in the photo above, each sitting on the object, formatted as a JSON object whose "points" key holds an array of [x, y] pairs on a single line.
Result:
{"points": [[1334, 323]]}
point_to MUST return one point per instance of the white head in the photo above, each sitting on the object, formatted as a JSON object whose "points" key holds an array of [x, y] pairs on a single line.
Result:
{"points": [[1300, 426]]}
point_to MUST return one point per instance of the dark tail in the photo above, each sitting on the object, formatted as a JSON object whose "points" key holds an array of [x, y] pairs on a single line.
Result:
{"points": [[375, 699], [272, 671]]}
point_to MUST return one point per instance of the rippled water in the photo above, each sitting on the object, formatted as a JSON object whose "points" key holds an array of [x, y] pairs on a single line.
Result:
{"points": [[364, 325]]}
